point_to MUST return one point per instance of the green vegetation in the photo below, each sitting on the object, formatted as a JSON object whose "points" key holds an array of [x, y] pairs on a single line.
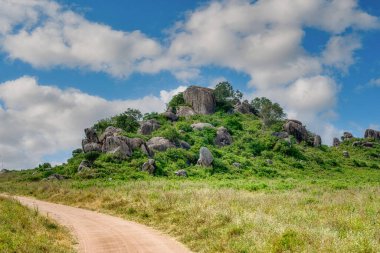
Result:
{"points": [[226, 97], [269, 112], [177, 100], [262, 193], [128, 121], [24, 230]]}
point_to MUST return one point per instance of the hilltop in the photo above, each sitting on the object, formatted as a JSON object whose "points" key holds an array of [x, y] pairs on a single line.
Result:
{"points": [[207, 132]]}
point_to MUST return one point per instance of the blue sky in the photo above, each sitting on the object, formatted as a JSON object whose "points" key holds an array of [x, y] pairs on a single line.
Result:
{"points": [[66, 64]]}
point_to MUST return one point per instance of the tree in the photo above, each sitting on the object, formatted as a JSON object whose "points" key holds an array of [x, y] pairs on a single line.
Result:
{"points": [[226, 97], [128, 120], [177, 100], [268, 111]]}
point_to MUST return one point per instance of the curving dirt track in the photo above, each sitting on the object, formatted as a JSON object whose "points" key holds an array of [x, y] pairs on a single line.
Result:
{"points": [[96, 232]]}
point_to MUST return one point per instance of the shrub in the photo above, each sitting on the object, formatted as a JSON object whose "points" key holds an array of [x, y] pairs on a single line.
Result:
{"points": [[91, 156], [177, 100]]}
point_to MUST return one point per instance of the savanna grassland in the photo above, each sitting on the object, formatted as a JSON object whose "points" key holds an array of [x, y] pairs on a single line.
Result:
{"points": [[24, 231], [261, 194]]}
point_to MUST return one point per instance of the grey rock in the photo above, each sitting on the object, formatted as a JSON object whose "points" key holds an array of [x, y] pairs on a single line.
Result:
{"points": [[336, 142], [147, 127], [372, 134], [356, 143], [205, 157], [185, 111], [347, 136], [110, 131], [201, 99], [92, 147], [149, 166], [181, 173], [184, 145], [368, 144], [317, 141], [84, 165], [55, 177], [269, 161], [170, 116], [295, 128], [201, 126], [346, 154], [244, 108], [159, 144], [223, 137], [281, 135], [146, 150], [237, 165], [135, 143], [118, 146], [91, 135]]}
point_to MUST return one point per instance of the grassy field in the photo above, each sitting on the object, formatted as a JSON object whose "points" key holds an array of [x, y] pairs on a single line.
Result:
{"points": [[333, 213], [24, 230]]}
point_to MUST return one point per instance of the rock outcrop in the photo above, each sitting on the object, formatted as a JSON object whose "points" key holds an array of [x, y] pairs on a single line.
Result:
{"points": [[372, 134], [181, 173], [149, 166], [185, 111], [223, 137], [317, 141], [346, 136], [147, 127], [281, 135], [84, 165], [336, 142], [91, 142], [117, 145], [295, 128], [110, 131], [201, 99], [245, 108], [205, 157], [201, 126], [170, 115], [160, 144]]}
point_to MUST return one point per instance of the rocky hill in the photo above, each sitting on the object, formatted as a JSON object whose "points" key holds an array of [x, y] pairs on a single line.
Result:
{"points": [[204, 133]]}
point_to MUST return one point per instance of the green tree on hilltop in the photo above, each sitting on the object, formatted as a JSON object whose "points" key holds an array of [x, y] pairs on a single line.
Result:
{"points": [[269, 112]]}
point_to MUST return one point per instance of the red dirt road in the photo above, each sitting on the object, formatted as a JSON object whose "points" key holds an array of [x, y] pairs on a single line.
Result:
{"points": [[96, 232]]}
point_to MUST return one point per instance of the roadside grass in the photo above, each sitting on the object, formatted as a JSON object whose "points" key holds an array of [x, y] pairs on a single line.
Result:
{"points": [[24, 231], [227, 216]]}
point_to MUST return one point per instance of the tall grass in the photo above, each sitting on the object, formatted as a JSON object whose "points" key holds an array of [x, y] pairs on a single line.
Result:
{"points": [[218, 219], [25, 231]]}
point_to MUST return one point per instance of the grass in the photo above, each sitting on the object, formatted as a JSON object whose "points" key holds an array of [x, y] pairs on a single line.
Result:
{"points": [[211, 216], [24, 230]]}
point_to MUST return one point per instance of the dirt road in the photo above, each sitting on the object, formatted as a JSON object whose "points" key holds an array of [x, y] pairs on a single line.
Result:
{"points": [[97, 232]]}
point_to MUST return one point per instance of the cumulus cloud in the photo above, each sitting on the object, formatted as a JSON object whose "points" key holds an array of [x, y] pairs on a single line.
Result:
{"points": [[52, 36], [38, 120]]}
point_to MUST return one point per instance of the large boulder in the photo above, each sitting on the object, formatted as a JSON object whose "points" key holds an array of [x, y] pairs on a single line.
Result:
{"points": [[336, 142], [317, 141], [244, 108], [347, 136], [170, 116], [181, 173], [118, 146], [201, 99], [205, 157], [372, 134], [160, 144], [91, 147], [184, 145], [110, 131], [201, 126], [281, 135], [223, 137], [295, 128], [139, 144], [149, 166], [91, 135], [147, 127], [84, 165], [185, 111]]}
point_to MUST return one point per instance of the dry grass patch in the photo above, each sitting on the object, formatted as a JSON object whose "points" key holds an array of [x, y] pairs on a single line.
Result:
{"points": [[226, 220]]}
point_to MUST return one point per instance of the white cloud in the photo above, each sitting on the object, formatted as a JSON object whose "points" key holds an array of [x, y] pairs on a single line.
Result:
{"points": [[375, 82], [166, 96], [52, 36], [39, 120], [339, 51]]}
